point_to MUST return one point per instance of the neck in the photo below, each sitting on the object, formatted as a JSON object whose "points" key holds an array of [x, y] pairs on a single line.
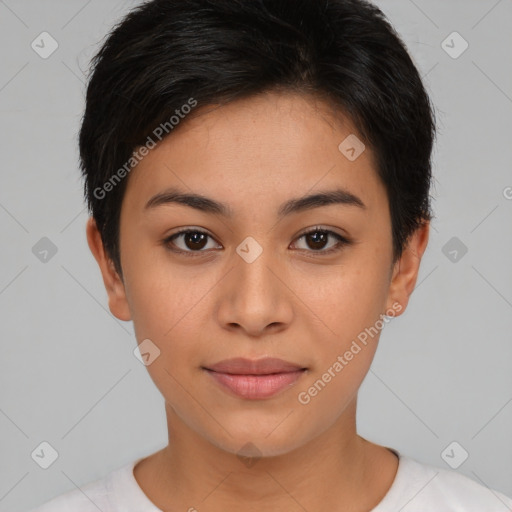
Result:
{"points": [[336, 467]]}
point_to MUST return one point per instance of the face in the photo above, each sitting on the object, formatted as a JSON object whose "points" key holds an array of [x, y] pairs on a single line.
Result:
{"points": [[259, 272]]}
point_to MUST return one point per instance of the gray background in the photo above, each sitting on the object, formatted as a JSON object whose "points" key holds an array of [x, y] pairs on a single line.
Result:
{"points": [[68, 375]]}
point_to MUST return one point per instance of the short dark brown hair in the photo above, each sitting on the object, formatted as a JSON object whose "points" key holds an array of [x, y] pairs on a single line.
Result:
{"points": [[165, 52]]}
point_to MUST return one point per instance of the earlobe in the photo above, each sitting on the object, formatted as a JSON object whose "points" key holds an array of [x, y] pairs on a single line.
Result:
{"points": [[114, 286], [406, 269]]}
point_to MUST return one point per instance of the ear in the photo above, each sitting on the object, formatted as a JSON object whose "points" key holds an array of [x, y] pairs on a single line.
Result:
{"points": [[405, 271], [117, 301]]}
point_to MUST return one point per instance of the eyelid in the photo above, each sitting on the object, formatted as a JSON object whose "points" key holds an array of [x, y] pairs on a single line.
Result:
{"points": [[342, 240], [319, 227], [168, 240]]}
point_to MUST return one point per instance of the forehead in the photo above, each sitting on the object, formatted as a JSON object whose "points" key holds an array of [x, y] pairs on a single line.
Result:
{"points": [[260, 150]]}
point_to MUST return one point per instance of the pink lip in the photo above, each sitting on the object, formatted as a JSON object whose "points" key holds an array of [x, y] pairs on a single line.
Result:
{"points": [[255, 379]]}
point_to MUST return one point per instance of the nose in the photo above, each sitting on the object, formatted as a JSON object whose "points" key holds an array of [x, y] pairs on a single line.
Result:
{"points": [[255, 298]]}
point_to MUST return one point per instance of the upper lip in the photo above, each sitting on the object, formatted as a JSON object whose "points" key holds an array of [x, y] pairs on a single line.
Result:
{"points": [[264, 366]]}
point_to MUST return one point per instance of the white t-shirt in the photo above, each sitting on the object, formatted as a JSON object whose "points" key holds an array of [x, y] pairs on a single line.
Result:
{"points": [[417, 487]]}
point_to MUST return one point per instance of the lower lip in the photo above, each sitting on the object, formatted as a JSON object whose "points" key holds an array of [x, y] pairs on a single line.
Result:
{"points": [[256, 387]]}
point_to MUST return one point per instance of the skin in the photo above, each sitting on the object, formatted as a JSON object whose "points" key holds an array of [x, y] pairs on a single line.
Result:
{"points": [[292, 302]]}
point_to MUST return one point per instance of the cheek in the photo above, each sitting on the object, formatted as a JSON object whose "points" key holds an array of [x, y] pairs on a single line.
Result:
{"points": [[346, 299], [163, 311], [169, 306], [343, 356], [350, 304], [159, 292]]}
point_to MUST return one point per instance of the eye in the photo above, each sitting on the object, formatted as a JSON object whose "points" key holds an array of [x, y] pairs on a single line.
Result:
{"points": [[194, 240], [317, 238]]}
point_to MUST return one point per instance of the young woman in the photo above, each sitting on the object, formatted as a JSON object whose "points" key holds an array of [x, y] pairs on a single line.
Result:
{"points": [[258, 176]]}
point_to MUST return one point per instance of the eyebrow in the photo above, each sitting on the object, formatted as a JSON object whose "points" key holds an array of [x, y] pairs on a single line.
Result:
{"points": [[207, 205]]}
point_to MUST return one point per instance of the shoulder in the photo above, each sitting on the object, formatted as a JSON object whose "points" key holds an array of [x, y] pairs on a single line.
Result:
{"points": [[423, 487], [100, 494], [90, 498]]}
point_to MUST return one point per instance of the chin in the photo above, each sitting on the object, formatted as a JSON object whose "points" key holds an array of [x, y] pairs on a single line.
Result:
{"points": [[252, 443]]}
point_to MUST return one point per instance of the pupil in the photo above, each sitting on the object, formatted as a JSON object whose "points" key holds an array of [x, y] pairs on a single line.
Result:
{"points": [[318, 238], [196, 239]]}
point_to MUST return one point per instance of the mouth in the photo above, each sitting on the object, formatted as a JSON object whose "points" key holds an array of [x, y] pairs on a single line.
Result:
{"points": [[264, 366], [255, 379]]}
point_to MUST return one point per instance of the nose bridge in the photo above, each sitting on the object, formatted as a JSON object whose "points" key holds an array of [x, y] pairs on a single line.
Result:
{"points": [[255, 297], [253, 271]]}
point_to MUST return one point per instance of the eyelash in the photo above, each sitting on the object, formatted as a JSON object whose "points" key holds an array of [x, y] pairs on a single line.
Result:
{"points": [[342, 241]]}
